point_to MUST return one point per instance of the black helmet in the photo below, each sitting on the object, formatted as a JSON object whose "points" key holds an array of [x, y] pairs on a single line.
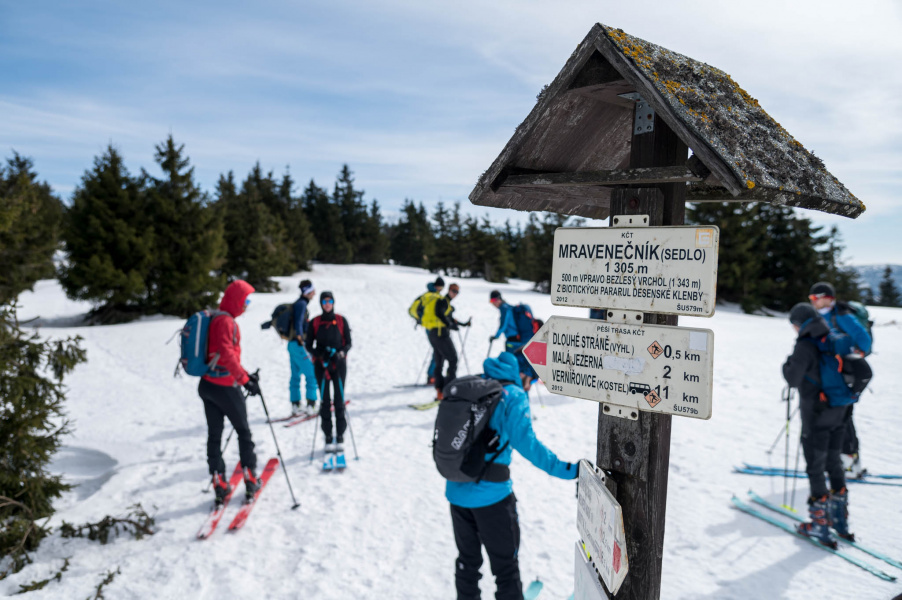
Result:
{"points": [[801, 313], [822, 288]]}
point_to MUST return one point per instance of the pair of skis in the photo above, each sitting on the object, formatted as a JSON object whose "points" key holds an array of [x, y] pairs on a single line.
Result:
{"points": [[789, 528], [425, 405], [298, 419], [762, 471], [213, 519]]}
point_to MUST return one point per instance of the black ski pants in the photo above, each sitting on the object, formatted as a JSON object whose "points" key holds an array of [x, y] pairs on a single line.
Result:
{"points": [[823, 429], [338, 372], [850, 439], [496, 527], [443, 350], [226, 401]]}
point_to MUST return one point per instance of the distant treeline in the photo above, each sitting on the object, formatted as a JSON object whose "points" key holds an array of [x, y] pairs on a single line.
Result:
{"points": [[142, 244]]}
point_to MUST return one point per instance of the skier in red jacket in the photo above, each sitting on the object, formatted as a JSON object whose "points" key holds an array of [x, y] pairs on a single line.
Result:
{"points": [[222, 395]]}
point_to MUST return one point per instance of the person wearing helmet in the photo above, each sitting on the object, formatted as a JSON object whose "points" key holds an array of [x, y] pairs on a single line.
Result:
{"points": [[329, 340], [840, 318]]}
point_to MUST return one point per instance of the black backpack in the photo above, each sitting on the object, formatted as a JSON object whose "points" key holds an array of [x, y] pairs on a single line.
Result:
{"points": [[282, 321], [462, 435]]}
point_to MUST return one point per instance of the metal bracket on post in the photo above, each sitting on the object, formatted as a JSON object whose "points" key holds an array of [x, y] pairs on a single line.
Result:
{"points": [[644, 119], [630, 221], [622, 412], [628, 317]]}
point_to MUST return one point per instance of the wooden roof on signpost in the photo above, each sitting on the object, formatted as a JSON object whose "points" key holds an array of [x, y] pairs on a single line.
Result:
{"points": [[574, 147]]}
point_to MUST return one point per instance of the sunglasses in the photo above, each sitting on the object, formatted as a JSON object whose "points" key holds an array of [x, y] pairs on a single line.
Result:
{"points": [[818, 296]]}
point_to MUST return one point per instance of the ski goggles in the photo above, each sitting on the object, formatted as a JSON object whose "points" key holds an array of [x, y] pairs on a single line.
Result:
{"points": [[328, 301], [814, 297], [247, 302]]}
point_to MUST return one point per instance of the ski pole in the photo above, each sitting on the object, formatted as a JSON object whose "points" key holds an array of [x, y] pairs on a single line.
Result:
{"points": [[279, 452], [347, 418], [798, 451], [322, 391], [463, 351], [787, 396], [422, 366], [780, 433], [539, 394], [491, 341]]}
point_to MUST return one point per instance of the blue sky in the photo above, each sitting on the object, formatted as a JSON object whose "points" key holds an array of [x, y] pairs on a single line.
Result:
{"points": [[420, 97]]}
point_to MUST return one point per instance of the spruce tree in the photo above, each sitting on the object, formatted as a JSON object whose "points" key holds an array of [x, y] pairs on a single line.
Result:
{"points": [[109, 241], [26, 249], [537, 247], [188, 243], [31, 403], [412, 242], [889, 292], [301, 241], [325, 219]]}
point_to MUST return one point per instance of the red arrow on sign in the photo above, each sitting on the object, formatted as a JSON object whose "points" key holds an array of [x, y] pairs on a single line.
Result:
{"points": [[536, 351]]}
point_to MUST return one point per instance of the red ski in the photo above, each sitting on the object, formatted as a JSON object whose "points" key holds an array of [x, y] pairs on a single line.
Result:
{"points": [[245, 511], [215, 516], [306, 418]]}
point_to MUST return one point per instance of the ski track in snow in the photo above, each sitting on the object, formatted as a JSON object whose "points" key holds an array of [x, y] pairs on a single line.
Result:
{"points": [[381, 529]]}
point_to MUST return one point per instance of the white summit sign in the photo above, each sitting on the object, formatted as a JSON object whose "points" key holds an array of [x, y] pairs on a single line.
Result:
{"points": [[626, 367], [669, 270]]}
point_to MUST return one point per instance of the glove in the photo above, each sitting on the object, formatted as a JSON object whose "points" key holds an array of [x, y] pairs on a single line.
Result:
{"points": [[468, 323], [340, 355], [252, 385], [492, 338]]}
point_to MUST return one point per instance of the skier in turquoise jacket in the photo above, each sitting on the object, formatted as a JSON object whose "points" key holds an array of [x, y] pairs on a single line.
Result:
{"points": [[485, 513]]}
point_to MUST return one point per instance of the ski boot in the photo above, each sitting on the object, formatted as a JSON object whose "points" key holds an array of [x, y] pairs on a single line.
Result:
{"points": [[439, 395], [818, 528], [251, 483], [330, 446], [838, 514], [296, 409], [852, 465], [220, 487], [311, 408], [339, 444]]}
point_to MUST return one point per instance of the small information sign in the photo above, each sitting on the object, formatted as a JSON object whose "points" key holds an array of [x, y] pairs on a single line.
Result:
{"points": [[586, 585], [669, 270], [654, 368], [599, 520]]}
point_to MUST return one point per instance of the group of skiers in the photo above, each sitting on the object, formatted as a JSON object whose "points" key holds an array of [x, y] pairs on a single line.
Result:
{"points": [[483, 506], [317, 351], [830, 334]]}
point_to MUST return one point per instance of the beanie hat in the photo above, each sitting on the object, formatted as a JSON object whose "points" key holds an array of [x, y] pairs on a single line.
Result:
{"points": [[431, 287], [495, 295], [439, 282], [454, 288], [801, 313], [306, 287], [326, 295], [822, 288]]}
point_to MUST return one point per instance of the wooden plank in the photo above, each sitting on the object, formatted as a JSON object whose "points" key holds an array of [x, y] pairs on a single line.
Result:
{"points": [[700, 192], [606, 178]]}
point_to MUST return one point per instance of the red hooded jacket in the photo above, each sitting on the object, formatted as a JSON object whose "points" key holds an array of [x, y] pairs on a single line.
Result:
{"points": [[225, 338]]}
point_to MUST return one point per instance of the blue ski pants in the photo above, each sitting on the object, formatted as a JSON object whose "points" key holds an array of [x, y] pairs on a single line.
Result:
{"points": [[301, 364]]}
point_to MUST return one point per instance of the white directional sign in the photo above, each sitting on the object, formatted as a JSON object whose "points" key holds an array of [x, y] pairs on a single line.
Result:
{"points": [[585, 584], [599, 520], [654, 368], [670, 270]]}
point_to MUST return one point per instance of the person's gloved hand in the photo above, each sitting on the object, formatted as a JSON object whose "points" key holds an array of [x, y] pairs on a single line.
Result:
{"points": [[492, 338], [468, 323], [252, 385], [340, 354]]}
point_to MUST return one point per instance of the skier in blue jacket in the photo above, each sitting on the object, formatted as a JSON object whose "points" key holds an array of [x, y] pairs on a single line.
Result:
{"points": [[301, 363], [485, 513], [841, 319]]}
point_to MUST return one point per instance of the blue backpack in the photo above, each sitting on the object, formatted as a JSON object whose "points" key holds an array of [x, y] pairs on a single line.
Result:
{"points": [[193, 340], [843, 375], [527, 325]]}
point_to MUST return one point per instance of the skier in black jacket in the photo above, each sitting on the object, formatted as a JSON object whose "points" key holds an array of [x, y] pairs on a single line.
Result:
{"points": [[822, 429], [440, 338], [328, 340]]}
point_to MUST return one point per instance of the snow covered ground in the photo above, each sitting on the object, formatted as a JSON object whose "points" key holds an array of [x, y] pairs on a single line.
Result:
{"points": [[381, 529]]}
